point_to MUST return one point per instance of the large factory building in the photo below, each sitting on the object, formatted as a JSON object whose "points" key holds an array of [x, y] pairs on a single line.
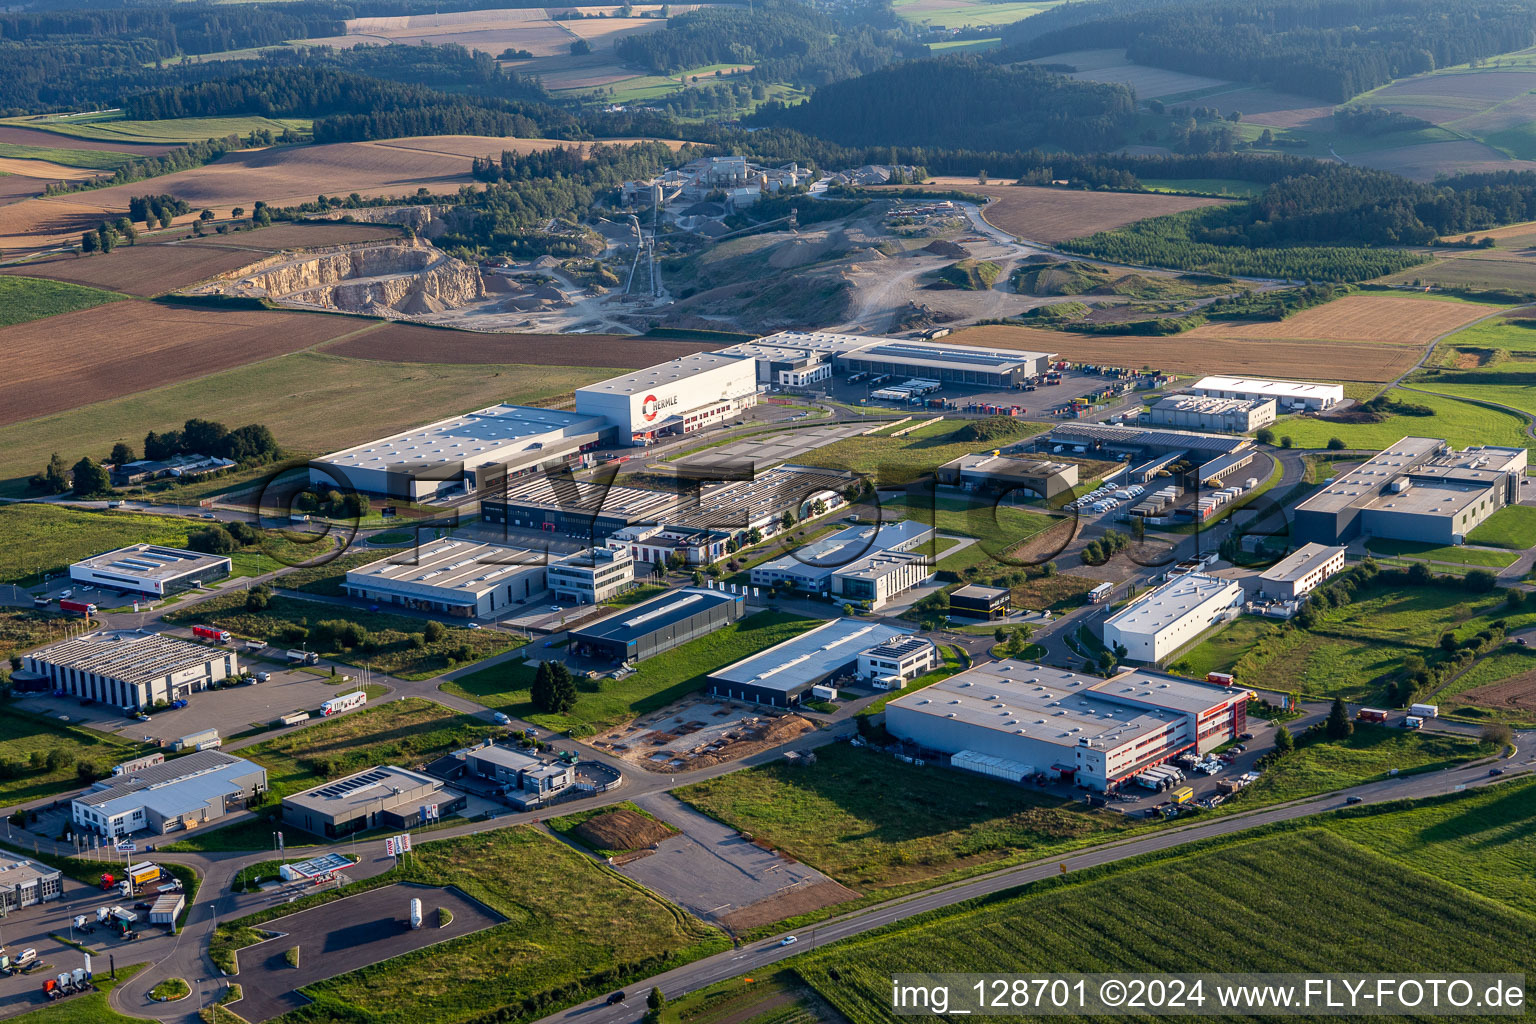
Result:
{"points": [[1031, 719], [678, 397], [658, 625]]}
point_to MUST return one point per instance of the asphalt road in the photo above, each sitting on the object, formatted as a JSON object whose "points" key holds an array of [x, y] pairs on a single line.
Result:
{"points": [[722, 966]]}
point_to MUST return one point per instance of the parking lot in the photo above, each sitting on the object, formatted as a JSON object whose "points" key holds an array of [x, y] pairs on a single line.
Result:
{"points": [[231, 710], [343, 936], [785, 446]]}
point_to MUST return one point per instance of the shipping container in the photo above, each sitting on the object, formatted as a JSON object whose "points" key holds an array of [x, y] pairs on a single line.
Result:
{"points": [[1182, 795], [144, 873], [194, 740]]}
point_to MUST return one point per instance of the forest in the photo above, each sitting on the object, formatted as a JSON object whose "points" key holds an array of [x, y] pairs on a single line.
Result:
{"points": [[1330, 49], [939, 102]]}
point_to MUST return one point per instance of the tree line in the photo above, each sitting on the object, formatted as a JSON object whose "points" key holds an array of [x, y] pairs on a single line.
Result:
{"points": [[249, 445], [1330, 49]]}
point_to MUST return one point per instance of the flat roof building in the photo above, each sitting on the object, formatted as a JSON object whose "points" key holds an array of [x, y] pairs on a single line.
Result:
{"points": [[522, 772], [1042, 720], [128, 669], [1166, 618], [676, 397], [589, 512], [810, 567], [1214, 455], [184, 793], [25, 883], [980, 602], [380, 797], [1206, 412], [591, 575], [782, 674], [460, 578], [951, 364], [891, 665], [874, 580], [462, 452], [658, 625], [1298, 573], [993, 473], [150, 569], [1288, 395], [1419, 489]]}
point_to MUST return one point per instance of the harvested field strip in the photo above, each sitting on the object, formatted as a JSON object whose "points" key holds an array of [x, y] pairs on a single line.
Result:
{"points": [[14, 135], [1055, 215], [1382, 319], [410, 343], [143, 270], [313, 402], [60, 363], [299, 234], [1373, 363], [89, 159]]}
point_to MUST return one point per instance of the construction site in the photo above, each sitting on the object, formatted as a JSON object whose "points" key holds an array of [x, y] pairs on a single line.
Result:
{"points": [[699, 732]]}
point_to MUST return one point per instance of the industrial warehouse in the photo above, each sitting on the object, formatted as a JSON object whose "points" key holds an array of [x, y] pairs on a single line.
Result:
{"points": [[24, 883], [384, 796], [658, 625], [1419, 489], [462, 453], [452, 577], [1288, 395], [185, 793], [785, 672], [591, 575], [1167, 618], [150, 569], [1200, 412], [129, 669], [1150, 450], [677, 397], [810, 568], [1298, 573], [1027, 720], [1008, 476], [795, 351]]}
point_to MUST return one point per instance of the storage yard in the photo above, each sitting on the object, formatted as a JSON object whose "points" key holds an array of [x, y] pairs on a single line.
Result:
{"points": [[699, 732]]}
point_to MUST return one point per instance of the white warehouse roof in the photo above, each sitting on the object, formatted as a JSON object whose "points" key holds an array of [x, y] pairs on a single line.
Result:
{"points": [[1158, 609], [1272, 388], [494, 434], [642, 381], [810, 655], [459, 567]]}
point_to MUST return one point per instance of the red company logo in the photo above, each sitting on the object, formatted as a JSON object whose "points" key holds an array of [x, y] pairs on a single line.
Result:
{"points": [[649, 407]]}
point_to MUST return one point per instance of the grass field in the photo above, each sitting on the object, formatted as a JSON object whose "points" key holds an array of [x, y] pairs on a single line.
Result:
{"points": [[839, 816], [655, 683], [1233, 187], [48, 538], [566, 825], [1460, 422], [1513, 527], [391, 647], [89, 159], [960, 13], [1352, 651], [998, 529], [176, 130], [407, 732], [1478, 269], [574, 929], [325, 580], [312, 402], [24, 735], [1370, 754], [31, 298], [1295, 901], [1438, 553], [887, 461], [24, 628]]}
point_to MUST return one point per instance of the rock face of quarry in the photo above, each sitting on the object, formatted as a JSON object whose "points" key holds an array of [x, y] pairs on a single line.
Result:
{"points": [[407, 277]]}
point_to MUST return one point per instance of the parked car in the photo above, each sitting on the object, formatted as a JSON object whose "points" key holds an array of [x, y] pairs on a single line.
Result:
{"points": [[209, 515], [179, 702], [1520, 640], [1245, 737], [472, 625]]}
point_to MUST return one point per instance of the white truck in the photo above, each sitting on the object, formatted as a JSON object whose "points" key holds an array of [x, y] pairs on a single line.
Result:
{"points": [[298, 657], [1424, 710]]}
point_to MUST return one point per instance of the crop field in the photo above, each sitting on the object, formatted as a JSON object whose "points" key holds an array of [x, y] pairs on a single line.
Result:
{"points": [[1185, 353], [959, 13], [839, 817], [1300, 901], [1377, 319], [641, 88], [14, 135], [47, 538], [29, 298], [1057, 214], [1460, 422], [307, 234], [1352, 651], [281, 175], [1501, 686], [23, 735], [1513, 527], [1149, 82], [656, 682], [160, 134], [408, 731], [314, 403], [142, 270], [575, 929], [413, 343], [1475, 269], [1481, 840], [83, 159], [392, 648], [61, 364], [898, 460]]}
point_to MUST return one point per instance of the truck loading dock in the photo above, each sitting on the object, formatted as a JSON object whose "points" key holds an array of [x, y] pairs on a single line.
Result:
{"points": [[1042, 720]]}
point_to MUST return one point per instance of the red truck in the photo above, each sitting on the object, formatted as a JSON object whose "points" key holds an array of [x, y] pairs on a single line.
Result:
{"points": [[220, 636], [1371, 715], [83, 607], [108, 882]]}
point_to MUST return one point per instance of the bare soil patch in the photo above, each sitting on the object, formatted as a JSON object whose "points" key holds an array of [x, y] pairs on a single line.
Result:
{"points": [[18, 136], [1184, 353], [64, 362], [1518, 693], [140, 269], [623, 830], [301, 235], [1056, 214], [413, 343], [790, 904], [1374, 319]]}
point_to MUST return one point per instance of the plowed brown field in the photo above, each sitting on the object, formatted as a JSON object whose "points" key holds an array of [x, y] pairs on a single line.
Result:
{"points": [[1056, 214], [75, 359], [1345, 361], [1519, 692], [410, 343], [1383, 319], [140, 269]]}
